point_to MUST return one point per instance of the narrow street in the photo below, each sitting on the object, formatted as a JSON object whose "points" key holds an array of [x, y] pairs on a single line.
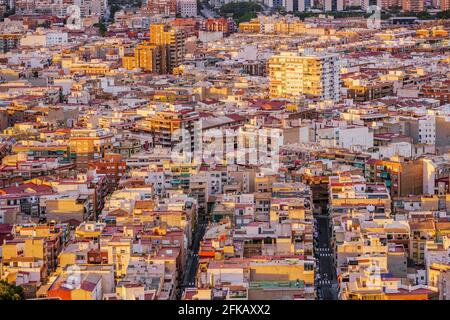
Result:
{"points": [[193, 259], [326, 278]]}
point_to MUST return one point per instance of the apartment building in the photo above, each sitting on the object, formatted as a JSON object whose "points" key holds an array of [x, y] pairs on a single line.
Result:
{"points": [[310, 75], [187, 8], [89, 144]]}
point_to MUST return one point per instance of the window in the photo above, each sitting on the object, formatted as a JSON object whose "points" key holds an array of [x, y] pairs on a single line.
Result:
{"points": [[309, 267]]}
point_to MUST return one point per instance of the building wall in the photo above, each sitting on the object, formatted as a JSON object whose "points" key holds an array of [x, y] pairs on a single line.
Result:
{"points": [[292, 75], [428, 177], [35, 248], [442, 130], [232, 275], [411, 178], [64, 210], [278, 272], [360, 136], [261, 294], [80, 294], [413, 5], [397, 264], [444, 281], [296, 135]]}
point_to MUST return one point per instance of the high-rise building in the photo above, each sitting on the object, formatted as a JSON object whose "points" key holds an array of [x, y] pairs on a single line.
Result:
{"points": [[311, 75], [173, 129], [333, 5], [91, 7], [161, 54], [171, 44], [445, 5], [273, 3], [386, 4], [89, 144], [187, 8], [164, 7], [413, 5], [365, 4], [147, 57], [294, 5]]}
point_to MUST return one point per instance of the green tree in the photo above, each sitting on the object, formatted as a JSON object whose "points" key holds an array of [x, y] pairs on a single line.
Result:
{"points": [[101, 28], [240, 11], [10, 291], [443, 14]]}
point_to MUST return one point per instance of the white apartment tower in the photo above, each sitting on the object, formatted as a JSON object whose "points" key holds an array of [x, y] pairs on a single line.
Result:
{"points": [[187, 8], [333, 5], [315, 76], [427, 130]]}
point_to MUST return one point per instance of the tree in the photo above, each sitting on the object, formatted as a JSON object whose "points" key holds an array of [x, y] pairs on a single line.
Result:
{"points": [[443, 14], [102, 28], [240, 11], [280, 9], [10, 291]]}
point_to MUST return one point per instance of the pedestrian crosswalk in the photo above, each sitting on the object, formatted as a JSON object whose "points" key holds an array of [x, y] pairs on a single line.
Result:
{"points": [[324, 282], [325, 254]]}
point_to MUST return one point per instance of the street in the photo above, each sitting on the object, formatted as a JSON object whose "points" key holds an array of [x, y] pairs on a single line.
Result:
{"points": [[193, 259], [326, 276]]}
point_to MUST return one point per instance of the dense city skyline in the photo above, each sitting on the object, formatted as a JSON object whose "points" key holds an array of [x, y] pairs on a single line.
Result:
{"points": [[222, 150]]}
